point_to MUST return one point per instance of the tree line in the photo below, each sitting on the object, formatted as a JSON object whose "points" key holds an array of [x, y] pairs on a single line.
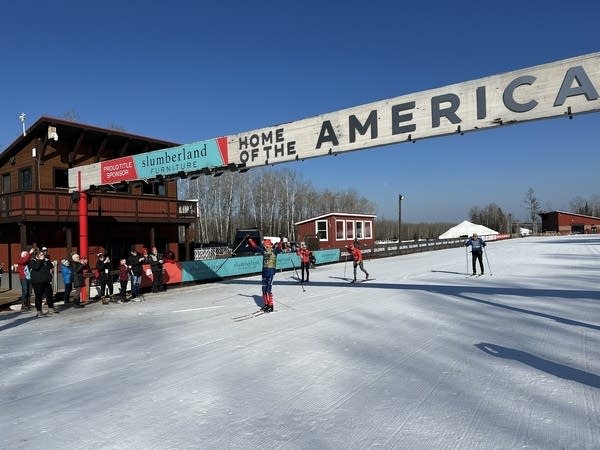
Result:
{"points": [[270, 200], [273, 200]]}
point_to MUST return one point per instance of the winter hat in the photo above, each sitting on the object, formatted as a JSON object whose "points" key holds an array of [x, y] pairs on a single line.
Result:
{"points": [[75, 257]]}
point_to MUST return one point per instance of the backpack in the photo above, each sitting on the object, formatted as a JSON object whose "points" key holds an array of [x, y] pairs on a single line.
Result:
{"points": [[312, 259]]}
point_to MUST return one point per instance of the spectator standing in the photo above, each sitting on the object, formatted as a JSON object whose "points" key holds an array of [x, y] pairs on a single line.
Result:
{"points": [[78, 279], [41, 277], [134, 264], [123, 279], [104, 279], [49, 293], [156, 261], [25, 279], [67, 274]]}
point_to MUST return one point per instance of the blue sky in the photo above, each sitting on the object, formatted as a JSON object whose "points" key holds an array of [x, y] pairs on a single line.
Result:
{"points": [[186, 71]]}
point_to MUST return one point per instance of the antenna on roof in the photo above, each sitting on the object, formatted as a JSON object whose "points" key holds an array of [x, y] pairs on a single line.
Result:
{"points": [[22, 119]]}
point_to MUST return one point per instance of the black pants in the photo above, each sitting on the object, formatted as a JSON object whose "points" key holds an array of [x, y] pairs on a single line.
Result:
{"points": [[42, 290], [106, 286], [304, 266], [67, 293], [477, 256], [123, 288], [157, 280]]}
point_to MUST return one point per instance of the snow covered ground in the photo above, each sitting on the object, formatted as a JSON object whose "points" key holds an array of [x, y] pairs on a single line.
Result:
{"points": [[420, 357]]}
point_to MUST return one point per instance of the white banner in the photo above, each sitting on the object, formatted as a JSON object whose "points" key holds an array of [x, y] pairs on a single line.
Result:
{"points": [[562, 88]]}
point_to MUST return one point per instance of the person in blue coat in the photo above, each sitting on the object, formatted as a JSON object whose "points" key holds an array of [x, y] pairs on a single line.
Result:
{"points": [[67, 274], [477, 245]]}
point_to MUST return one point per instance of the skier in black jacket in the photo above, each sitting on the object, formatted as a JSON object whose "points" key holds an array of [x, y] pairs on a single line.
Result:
{"points": [[477, 245]]}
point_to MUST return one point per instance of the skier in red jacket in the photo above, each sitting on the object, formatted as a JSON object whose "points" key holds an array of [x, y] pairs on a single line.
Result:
{"points": [[304, 254], [357, 261]]}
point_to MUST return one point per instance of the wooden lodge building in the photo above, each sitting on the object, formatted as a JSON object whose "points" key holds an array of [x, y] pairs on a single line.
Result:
{"points": [[36, 206]]}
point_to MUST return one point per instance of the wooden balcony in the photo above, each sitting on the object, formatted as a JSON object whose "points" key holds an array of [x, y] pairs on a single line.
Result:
{"points": [[46, 206]]}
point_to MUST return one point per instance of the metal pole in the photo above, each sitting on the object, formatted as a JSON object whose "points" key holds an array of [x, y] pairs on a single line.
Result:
{"points": [[400, 198]]}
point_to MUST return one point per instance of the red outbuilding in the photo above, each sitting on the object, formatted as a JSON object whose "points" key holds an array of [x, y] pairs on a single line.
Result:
{"points": [[569, 223], [337, 230]]}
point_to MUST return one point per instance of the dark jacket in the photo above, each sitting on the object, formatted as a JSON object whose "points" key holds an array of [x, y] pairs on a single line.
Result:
{"points": [[77, 269], [103, 269], [155, 261], [41, 271], [134, 262], [476, 245]]}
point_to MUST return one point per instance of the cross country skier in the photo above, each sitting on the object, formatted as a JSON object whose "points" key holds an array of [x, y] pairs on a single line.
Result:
{"points": [[269, 262], [477, 245], [357, 261], [304, 254]]}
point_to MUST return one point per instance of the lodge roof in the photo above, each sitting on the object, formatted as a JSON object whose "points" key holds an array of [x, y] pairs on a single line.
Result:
{"points": [[72, 131], [336, 214]]}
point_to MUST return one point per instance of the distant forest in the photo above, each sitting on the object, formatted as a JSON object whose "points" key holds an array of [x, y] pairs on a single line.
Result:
{"points": [[273, 200]]}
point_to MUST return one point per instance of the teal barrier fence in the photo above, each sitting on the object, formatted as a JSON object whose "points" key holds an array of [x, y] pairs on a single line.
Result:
{"points": [[211, 269]]}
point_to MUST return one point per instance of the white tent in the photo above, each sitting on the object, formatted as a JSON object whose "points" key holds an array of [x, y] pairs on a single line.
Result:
{"points": [[466, 228]]}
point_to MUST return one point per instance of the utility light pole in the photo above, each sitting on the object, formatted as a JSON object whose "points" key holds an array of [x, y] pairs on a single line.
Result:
{"points": [[400, 198]]}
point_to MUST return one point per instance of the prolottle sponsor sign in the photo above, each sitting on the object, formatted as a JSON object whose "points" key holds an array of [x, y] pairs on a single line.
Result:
{"points": [[562, 88]]}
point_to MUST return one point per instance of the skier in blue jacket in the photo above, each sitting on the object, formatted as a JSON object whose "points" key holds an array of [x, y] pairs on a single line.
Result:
{"points": [[477, 245]]}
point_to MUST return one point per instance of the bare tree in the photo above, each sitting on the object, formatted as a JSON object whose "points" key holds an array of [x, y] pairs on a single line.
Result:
{"points": [[532, 205]]}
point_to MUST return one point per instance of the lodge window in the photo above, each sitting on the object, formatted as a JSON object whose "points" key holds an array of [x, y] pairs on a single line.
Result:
{"points": [[368, 228], [339, 230], [25, 179], [155, 188], [6, 183], [359, 230], [349, 229], [321, 226], [61, 178]]}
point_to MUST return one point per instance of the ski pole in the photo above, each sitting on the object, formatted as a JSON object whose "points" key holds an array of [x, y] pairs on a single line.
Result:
{"points": [[232, 253], [467, 259], [295, 270], [488, 261], [345, 264]]}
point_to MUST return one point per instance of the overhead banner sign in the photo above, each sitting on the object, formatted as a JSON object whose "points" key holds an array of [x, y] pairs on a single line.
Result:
{"points": [[562, 88], [147, 166]]}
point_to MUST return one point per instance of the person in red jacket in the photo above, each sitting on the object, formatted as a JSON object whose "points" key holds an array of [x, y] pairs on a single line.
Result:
{"points": [[357, 261], [304, 254]]}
